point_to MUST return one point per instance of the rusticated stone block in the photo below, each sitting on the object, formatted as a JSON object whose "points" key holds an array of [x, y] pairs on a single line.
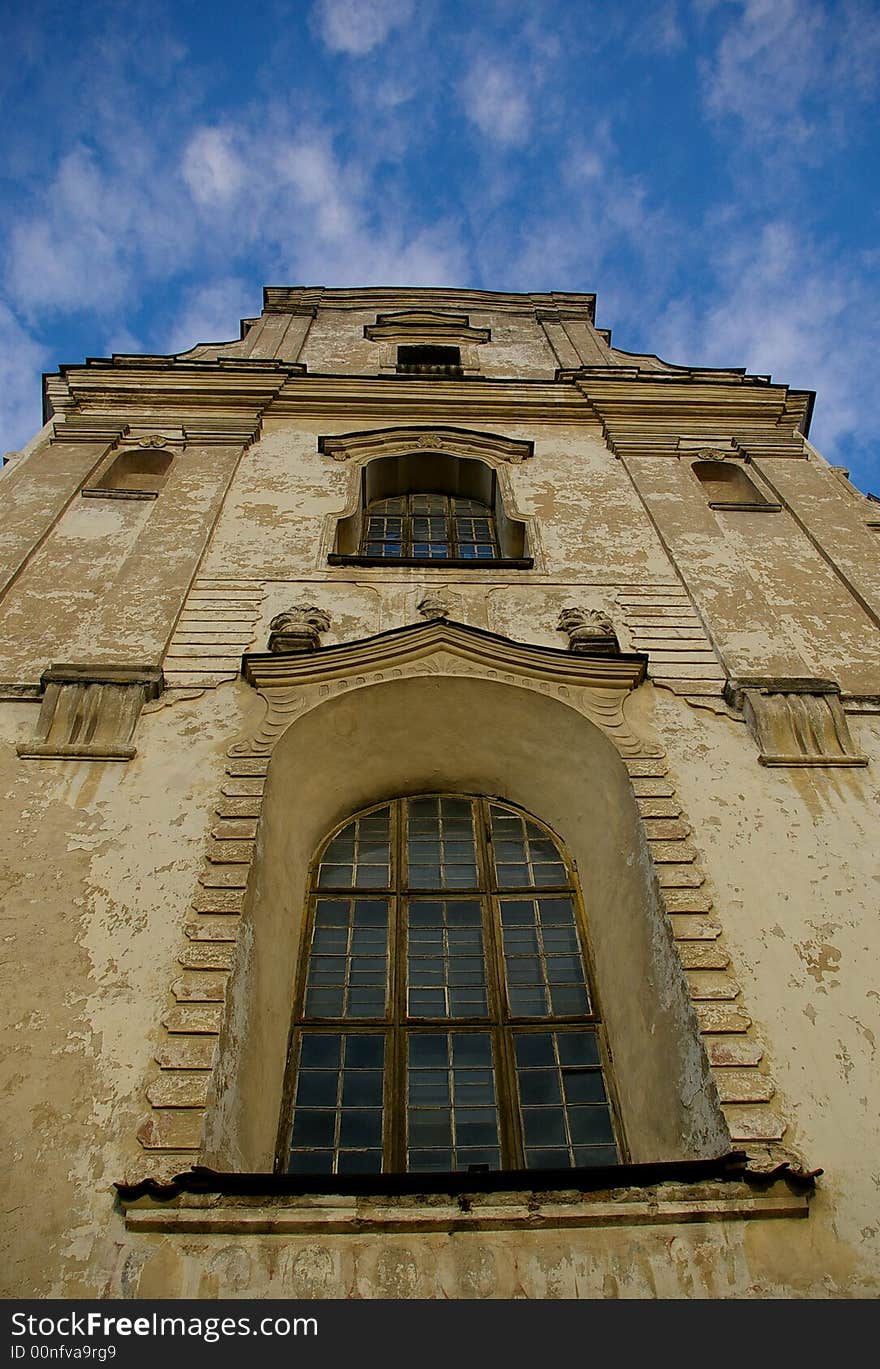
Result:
{"points": [[187, 1053], [652, 789], [703, 955], [180, 1089], [708, 986], [659, 808], [668, 852], [693, 927], [238, 829], [679, 877], [195, 986], [687, 901], [757, 1122], [239, 808], [239, 852], [172, 1129], [243, 788], [241, 766], [666, 829], [207, 956], [225, 877], [208, 928], [219, 901], [201, 1018], [744, 1086], [731, 1051], [644, 767], [718, 1017]]}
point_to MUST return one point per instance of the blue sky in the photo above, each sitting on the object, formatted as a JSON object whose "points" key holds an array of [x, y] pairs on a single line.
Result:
{"points": [[708, 167]]}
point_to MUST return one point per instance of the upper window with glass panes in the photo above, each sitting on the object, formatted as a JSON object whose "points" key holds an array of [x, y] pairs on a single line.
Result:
{"points": [[430, 527]]}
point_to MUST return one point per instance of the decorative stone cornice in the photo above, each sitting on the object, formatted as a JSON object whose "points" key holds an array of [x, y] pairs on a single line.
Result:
{"points": [[287, 299], [427, 325], [365, 446]]}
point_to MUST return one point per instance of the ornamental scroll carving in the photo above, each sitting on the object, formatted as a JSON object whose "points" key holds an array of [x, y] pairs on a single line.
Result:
{"points": [[594, 686]]}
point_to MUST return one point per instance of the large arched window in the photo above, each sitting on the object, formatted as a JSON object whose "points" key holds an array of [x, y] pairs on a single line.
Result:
{"points": [[444, 1015]]}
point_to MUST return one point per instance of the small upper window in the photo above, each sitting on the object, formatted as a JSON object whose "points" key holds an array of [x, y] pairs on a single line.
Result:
{"points": [[431, 507], [428, 359], [433, 527]]}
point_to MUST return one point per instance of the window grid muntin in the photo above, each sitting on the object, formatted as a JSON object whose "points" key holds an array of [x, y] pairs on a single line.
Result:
{"points": [[430, 527], [502, 1024]]}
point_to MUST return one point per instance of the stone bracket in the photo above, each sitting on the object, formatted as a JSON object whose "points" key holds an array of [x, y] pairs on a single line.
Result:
{"points": [[796, 722], [89, 712]]}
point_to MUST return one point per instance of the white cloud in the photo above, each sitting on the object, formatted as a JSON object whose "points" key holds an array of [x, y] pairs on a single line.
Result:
{"points": [[211, 313], [356, 27], [783, 307], [783, 68], [212, 169], [21, 360], [494, 99]]}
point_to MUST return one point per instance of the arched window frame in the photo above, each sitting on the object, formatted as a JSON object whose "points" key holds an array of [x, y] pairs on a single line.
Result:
{"points": [[506, 1029], [431, 471]]}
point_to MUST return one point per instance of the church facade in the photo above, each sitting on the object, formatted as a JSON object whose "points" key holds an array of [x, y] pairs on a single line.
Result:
{"points": [[440, 755]]}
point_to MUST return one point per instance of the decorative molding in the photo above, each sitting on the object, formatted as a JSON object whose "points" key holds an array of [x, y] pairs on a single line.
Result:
{"points": [[589, 631], [89, 712], [439, 603], [297, 631], [796, 722], [465, 442], [595, 687], [425, 325]]}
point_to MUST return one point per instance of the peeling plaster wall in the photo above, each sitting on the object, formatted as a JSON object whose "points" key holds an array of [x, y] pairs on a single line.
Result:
{"points": [[793, 860], [102, 859]]}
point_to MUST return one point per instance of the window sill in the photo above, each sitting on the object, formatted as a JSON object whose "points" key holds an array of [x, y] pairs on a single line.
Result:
{"points": [[453, 563], [120, 494], [204, 1202], [744, 508]]}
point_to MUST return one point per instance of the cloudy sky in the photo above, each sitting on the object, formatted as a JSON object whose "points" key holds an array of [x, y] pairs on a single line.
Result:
{"points": [[708, 167]]}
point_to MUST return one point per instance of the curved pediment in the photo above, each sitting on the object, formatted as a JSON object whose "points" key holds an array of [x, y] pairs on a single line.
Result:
{"points": [[595, 686], [465, 442]]}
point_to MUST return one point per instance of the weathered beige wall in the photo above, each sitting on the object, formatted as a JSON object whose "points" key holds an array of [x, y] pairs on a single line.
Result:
{"points": [[102, 860]]}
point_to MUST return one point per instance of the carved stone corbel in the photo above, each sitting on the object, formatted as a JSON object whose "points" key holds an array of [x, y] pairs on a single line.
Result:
{"points": [[89, 712], [796, 722], [298, 630], [590, 631]]}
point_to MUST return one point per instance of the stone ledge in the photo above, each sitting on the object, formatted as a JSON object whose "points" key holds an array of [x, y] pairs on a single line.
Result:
{"points": [[664, 1204]]}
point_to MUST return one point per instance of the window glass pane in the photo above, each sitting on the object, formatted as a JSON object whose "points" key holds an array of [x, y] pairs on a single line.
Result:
{"points": [[453, 928], [441, 844], [452, 1113], [337, 1116], [360, 855], [350, 981], [540, 981], [446, 973], [524, 856], [566, 1117]]}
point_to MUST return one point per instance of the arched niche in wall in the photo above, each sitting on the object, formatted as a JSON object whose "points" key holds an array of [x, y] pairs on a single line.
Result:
{"points": [[727, 485], [141, 471], [465, 735]]}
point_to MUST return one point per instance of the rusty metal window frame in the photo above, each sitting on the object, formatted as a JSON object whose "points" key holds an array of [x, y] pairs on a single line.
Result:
{"points": [[454, 521], [511, 1035]]}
